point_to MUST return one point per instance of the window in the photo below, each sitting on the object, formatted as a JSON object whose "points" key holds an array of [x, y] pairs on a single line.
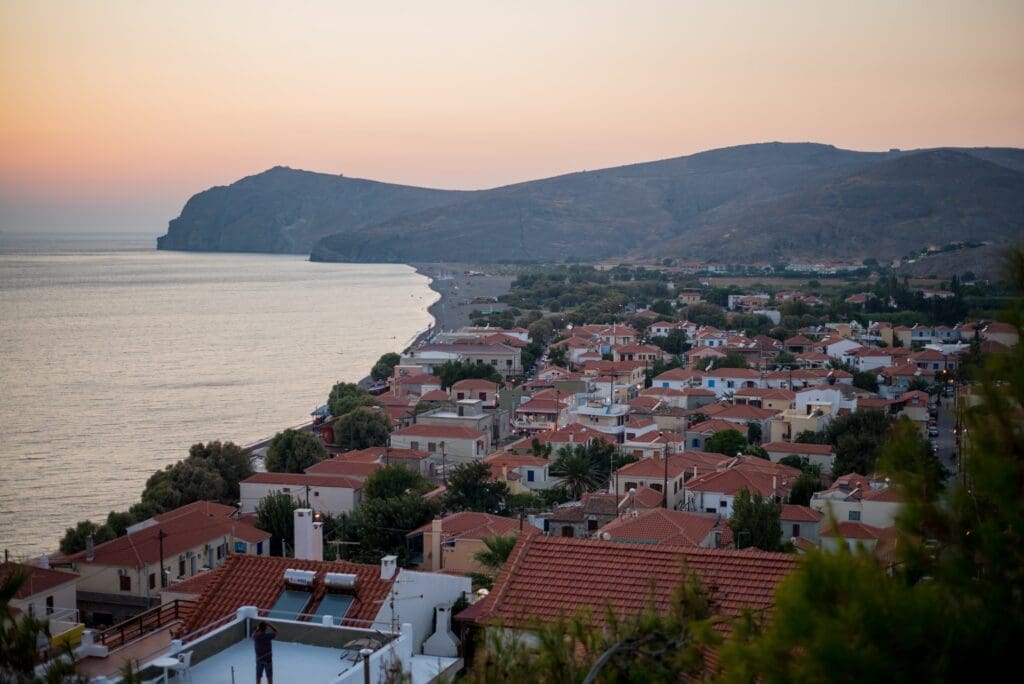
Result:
{"points": [[567, 531], [591, 525], [695, 442], [286, 490], [220, 552], [796, 531], [730, 384], [494, 362], [710, 510], [460, 396], [431, 447], [259, 548], [49, 602], [181, 567], [630, 485], [854, 515], [664, 384], [723, 503], [529, 476], [711, 383], [656, 487], [152, 580], [316, 493], [482, 396], [414, 445], [126, 582]]}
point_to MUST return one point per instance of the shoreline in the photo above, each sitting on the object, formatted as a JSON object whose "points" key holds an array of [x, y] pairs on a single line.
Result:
{"points": [[458, 291]]}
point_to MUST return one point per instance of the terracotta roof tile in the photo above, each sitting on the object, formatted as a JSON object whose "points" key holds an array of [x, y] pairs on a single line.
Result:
{"points": [[797, 448], [448, 431], [37, 579], [792, 512], [547, 578], [677, 465], [342, 466], [305, 479], [470, 525], [661, 526], [259, 580]]}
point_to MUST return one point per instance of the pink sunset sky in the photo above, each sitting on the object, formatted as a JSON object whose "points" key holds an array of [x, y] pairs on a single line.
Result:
{"points": [[114, 113]]}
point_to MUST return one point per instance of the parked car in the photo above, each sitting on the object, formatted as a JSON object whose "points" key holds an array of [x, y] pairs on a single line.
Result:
{"points": [[933, 431], [935, 446]]}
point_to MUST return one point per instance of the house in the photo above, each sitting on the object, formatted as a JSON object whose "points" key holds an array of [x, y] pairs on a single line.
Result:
{"points": [[914, 406], [798, 344], [566, 436], [548, 578], [688, 297], [540, 412], [609, 419], [857, 498], [854, 536], [46, 594], [472, 388], [652, 473], [594, 510], [361, 463], [505, 359], [446, 444], [766, 398], [122, 577], [743, 415], [698, 434], [715, 492], [646, 353], [326, 494], [449, 543], [653, 443], [472, 414], [662, 526], [1003, 333], [663, 328], [415, 385], [686, 398], [819, 454], [678, 379], [725, 381], [532, 470], [800, 522]]}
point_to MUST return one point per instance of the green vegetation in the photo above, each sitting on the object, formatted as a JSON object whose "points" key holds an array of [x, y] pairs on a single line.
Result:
{"points": [[385, 366], [492, 557], [587, 467], [451, 372], [470, 488], [755, 522], [361, 428], [727, 442], [394, 480], [275, 514], [378, 527], [292, 451], [346, 397]]}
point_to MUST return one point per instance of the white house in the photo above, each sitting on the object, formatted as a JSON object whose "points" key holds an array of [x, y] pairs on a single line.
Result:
{"points": [[448, 444], [723, 381], [856, 498], [327, 494]]}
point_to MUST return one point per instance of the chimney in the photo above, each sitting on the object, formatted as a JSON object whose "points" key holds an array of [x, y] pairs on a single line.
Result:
{"points": [[436, 532], [442, 642], [309, 535], [90, 548], [775, 484], [388, 566]]}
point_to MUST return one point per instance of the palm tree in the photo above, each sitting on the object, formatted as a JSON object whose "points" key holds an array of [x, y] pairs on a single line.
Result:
{"points": [[578, 471], [497, 551]]}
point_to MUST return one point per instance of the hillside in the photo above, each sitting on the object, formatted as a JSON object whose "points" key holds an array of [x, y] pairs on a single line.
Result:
{"points": [[285, 210], [746, 203]]}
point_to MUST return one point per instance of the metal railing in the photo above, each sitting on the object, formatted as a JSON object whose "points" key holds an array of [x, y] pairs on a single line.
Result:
{"points": [[145, 623]]}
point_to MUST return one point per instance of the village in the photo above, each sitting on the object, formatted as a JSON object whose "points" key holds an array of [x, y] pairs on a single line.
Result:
{"points": [[603, 453]]}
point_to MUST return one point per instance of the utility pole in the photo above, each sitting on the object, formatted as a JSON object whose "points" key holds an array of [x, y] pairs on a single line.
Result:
{"points": [[161, 535], [664, 499]]}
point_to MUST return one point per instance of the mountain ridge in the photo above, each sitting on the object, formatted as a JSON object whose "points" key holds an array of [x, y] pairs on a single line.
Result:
{"points": [[742, 203]]}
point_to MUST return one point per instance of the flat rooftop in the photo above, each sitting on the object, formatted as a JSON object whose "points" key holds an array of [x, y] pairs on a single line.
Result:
{"points": [[293, 662]]}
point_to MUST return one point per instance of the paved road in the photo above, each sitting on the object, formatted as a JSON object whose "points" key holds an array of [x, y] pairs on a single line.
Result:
{"points": [[946, 439]]}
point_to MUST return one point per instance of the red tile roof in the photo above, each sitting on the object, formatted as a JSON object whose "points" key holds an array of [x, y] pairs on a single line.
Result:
{"points": [[445, 431], [476, 384], [735, 480], [677, 465], [662, 527], [259, 580], [745, 412], [547, 578], [855, 530], [306, 479], [797, 448], [469, 525], [342, 466], [791, 512], [515, 461], [435, 395], [37, 579], [712, 425], [184, 530], [748, 373], [193, 585], [680, 374]]}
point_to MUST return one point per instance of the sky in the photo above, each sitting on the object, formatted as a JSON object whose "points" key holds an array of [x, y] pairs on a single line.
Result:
{"points": [[112, 114]]}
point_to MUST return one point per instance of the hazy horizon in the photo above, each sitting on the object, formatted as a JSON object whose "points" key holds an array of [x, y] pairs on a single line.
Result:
{"points": [[115, 114]]}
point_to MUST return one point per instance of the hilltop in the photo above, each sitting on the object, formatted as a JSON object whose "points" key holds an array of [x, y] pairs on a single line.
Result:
{"points": [[749, 203]]}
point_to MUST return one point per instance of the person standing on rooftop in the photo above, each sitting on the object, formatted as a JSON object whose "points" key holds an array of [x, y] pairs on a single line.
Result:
{"points": [[263, 639]]}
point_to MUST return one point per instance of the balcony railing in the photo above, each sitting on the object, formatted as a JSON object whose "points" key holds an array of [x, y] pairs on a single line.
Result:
{"points": [[145, 623]]}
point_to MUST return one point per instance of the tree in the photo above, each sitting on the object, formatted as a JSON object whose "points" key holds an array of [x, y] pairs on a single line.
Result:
{"points": [[495, 552], [755, 521], [579, 470], [379, 527], [706, 314], [811, 437], [183, 483], [557, 356], [786, 360], [74, 539], [385, 366], [727, 442], [451, 372], [857, 439], [276, 514], [804, 488], [361, 429], [394, 480], [471, 487], [802, 463], [730, 360], [346, 397], [866, 380], [754, 432], [228, 460], [292, 451], [674, 342]]}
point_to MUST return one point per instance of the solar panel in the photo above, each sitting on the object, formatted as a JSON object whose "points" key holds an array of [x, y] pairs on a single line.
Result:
{"points": [[335, 605], [290, 604]]}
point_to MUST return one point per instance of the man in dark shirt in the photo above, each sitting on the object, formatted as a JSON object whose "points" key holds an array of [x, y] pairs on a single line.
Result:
{"points": [[262, 639]]}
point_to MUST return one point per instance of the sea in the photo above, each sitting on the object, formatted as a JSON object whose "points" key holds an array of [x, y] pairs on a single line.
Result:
{"points": [[116, 357]]}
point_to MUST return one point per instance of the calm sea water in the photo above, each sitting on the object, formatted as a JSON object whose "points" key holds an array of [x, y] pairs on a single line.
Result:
{"points": [[115, 358]]}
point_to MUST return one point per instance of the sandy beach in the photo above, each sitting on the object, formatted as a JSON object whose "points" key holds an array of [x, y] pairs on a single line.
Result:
{"points": [[462, 293]]}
